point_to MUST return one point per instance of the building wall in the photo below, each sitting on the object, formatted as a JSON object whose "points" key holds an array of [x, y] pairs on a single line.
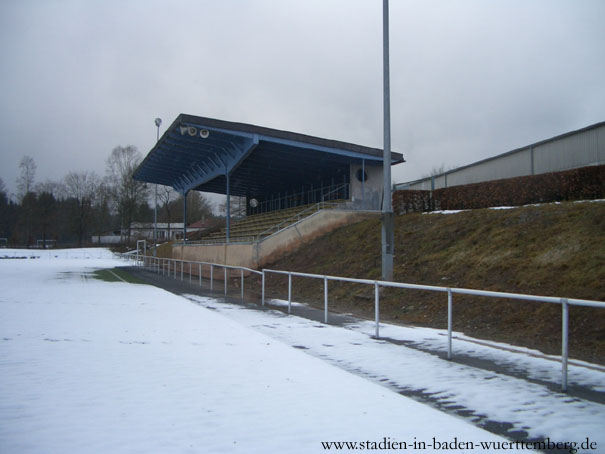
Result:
{"points": [[576, 149], [367, 195]]}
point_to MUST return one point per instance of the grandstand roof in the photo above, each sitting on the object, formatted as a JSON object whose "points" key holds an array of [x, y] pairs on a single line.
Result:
{"points": [[198, 153]]}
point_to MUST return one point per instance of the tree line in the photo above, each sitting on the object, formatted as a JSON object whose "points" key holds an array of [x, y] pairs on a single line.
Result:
{"points": [[69, 212]]}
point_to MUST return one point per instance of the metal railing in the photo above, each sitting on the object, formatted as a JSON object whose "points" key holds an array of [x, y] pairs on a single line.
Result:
{"points": [[564, 302], [169, 266], [303, 197], [271, 230], [295, 218]]}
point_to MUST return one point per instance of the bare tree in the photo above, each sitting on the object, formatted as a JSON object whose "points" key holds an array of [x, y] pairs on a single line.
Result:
{"points": [[25, 181], [56, 188], [237, 206], [46, 211], [5, 221], [440, 170], [82, 187], [102, 219], [167, 197], [127, 192], [198, 206]]}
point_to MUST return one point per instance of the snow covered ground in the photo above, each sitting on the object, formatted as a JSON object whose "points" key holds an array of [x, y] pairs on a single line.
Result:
{"points": [[514, 207], [535, 407], [82, 253], [88, 366]]}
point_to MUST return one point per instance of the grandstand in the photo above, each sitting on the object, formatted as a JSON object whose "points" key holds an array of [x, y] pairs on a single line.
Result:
{"points": [[272, 170], [259, 226]]}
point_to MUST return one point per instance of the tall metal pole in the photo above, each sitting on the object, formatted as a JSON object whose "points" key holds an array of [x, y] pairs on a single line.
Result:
{"points": [[185, 217], [158, 122], [387, 209]]}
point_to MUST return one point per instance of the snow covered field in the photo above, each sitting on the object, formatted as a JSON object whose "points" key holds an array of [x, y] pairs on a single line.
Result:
{"points": [[88, 366]]}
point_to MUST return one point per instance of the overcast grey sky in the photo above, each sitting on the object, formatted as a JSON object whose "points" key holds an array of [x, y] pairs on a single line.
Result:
{"points": [[469, 79]]}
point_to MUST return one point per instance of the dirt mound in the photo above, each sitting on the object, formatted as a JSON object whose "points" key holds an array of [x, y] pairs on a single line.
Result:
{"points": [[552, 250]]}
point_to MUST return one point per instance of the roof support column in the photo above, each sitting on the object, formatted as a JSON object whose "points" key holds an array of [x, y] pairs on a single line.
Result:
{"points": [[363, 183], [228, 204], [185, 217]]}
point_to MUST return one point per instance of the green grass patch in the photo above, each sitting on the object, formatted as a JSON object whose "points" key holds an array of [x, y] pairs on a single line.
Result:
{"points": [[116, 275]]}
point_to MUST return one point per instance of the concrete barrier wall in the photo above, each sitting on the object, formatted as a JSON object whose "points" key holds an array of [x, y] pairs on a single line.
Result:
{"points": [[256, 255]]}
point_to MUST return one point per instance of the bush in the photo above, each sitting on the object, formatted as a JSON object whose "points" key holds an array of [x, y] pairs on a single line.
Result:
{"points": [[576, 184]]}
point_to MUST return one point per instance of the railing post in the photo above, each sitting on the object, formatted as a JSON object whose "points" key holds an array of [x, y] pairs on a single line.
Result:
{"points": [[325, 300], [200, 274], [263, 289], [225, 268], [289, 293], [242, 275], [565, 345], [377, 309], [449, 323], [182, 266], [190, 265], [211, 277], [175, 268]]}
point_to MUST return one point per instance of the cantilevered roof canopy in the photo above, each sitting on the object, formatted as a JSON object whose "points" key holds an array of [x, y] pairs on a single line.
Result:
{"points": [[198, 153]]}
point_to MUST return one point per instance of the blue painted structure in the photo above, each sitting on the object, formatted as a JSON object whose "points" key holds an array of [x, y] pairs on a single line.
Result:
{"points": [[210, 155]]}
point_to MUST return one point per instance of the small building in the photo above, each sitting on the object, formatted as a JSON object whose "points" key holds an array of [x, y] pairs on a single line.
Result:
{"points": [[144, 231], [572, 150]]}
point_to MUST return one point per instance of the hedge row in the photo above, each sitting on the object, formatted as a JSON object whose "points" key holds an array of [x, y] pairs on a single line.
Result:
{"points": [[407, 201], [577, 184]]}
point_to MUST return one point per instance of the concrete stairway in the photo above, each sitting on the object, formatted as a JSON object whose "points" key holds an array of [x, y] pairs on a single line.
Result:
{"points": [[256, 227]]}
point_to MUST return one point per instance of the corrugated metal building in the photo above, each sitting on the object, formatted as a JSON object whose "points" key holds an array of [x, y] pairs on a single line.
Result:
{"points": [[581, 148]]}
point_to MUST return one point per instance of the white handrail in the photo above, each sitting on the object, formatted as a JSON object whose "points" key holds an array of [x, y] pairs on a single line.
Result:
{"points": [[162, 263], [564, 302]]}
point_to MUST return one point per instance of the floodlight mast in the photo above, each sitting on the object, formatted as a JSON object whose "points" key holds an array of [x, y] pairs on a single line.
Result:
{"points": [[387, 206], [158, 122]]}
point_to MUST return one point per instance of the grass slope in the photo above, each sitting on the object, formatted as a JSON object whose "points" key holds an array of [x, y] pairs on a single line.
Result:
{"points": [[554, 250], [117, 274]]}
